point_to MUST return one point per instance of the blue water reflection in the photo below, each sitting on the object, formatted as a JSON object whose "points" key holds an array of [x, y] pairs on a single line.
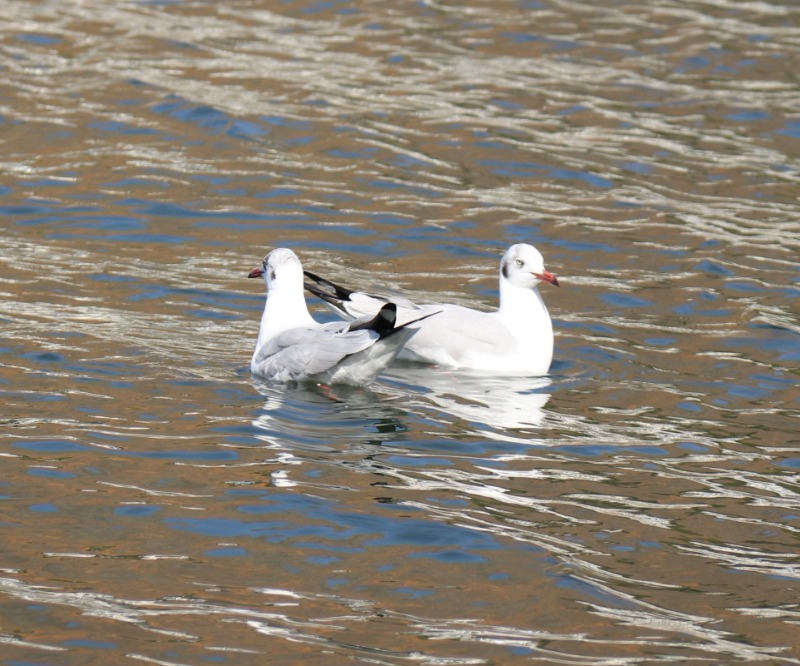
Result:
{"points": [[303, 517]]}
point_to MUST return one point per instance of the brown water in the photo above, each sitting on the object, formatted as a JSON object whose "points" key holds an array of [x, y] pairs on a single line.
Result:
{"points": [[640, 505]]}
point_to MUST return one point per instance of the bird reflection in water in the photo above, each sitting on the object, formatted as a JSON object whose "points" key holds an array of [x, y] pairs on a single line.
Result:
{"points": [[487, 402]]}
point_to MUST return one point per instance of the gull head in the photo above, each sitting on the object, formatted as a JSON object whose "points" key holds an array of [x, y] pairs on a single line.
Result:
{"points": [[279, 267], [523, 266]]}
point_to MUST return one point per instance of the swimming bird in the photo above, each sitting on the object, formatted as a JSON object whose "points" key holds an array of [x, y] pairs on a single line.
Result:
{"points": [[517, 338], [292, 345]]}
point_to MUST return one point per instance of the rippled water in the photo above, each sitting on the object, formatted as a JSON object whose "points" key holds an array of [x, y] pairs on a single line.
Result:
{"points": [[641, 504]]}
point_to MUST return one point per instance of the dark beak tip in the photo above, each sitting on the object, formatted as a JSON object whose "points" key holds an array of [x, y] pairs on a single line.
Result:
{"points": [[256, 272], [548, 277]]}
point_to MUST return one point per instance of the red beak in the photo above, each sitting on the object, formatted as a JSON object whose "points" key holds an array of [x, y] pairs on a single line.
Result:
{"points": [[256, 272], [547, 276]]}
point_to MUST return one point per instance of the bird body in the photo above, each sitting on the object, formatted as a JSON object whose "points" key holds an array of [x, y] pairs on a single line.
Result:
{"points": [[292, 345], [516, 338]]}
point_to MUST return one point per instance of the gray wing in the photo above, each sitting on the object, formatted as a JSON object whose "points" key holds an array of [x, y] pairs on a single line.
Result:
{"points": [[301, 352], [457, 333]]}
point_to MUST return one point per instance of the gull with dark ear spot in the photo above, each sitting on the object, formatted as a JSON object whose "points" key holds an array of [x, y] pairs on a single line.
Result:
{"points": [[517, 338], [292, 345]]}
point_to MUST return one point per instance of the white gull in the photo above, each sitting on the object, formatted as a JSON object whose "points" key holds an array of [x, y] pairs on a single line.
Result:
{"points": [[517, 338], [293, 346]]}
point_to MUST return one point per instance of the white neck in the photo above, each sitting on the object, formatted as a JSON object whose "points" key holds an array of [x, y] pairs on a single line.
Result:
{"points": [[523, 310], [285, 308]]}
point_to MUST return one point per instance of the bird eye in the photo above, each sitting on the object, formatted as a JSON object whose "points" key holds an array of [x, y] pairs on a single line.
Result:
{"points": [[519, 263]]}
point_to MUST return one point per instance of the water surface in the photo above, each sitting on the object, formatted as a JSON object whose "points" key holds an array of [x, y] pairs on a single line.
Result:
{"points": [[641, 503]]}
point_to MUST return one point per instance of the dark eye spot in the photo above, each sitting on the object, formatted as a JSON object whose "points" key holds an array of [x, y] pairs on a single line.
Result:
{"points": [[272, 275]]}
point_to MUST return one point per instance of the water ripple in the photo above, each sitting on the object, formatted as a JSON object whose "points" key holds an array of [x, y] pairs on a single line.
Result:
{"points": [[641, 502]]}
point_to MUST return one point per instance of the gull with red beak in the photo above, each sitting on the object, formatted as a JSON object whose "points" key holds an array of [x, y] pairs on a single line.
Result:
{"points": [[517, 338]]}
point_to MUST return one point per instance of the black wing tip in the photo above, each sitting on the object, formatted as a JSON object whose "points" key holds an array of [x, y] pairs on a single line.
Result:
{"points": [[320, 293], [389, 312], [384, 322], [392, 308], [326, 289]]}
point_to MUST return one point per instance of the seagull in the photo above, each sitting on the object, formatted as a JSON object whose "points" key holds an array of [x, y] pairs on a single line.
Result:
{"points": [[517, 338], [292, 345]]}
